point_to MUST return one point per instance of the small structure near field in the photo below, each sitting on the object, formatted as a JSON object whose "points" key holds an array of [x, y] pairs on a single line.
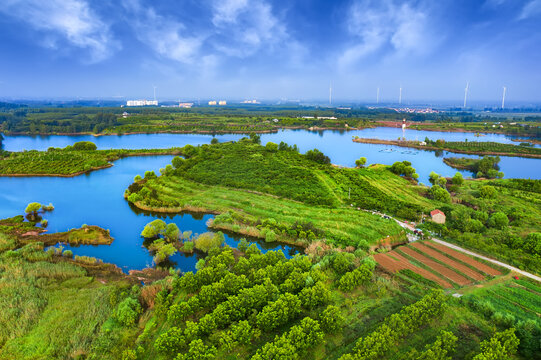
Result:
{"points": [[437, 216]]}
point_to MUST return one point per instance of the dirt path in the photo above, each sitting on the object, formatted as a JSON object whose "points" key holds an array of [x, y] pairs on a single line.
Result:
{"points": [[439, 268], [464, 258], [452, 263]]}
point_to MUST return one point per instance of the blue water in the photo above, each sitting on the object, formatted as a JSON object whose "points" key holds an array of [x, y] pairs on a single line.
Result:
{"points": [[338, 145], [97, 198]]}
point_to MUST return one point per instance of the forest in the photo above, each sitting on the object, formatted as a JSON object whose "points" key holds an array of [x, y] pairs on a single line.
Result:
{"points": [[76, 119]]}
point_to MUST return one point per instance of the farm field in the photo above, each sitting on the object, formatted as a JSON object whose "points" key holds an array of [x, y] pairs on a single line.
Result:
{"points": [[436, 263]]}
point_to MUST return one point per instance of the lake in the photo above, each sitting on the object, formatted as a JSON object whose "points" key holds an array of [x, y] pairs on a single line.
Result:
{"points": [[97, 198]]}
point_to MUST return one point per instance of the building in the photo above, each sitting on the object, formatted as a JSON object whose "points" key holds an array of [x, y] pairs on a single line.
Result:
{"points": [[185, 105], [125, 114], [437, 216], [212, 102], [222, 102], [142, 103]]}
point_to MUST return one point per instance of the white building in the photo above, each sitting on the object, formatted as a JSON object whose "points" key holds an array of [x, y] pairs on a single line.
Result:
{"points": [[142, 103], [213, 102], [185, 105], [222, 102]]}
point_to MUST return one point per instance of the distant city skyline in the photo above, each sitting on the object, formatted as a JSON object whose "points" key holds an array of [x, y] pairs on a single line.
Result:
{"points": [[265, 49]]}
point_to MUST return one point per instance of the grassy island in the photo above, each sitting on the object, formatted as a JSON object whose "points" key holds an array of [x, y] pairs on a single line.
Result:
{"points": [[67, 162], [464, 147], [274, 192]]}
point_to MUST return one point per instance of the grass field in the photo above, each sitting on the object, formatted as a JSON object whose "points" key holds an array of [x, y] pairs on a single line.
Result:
{"points": [[65, 162]]}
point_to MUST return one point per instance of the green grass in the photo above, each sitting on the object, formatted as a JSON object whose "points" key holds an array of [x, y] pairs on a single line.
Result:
{"points": [[62, 162]]}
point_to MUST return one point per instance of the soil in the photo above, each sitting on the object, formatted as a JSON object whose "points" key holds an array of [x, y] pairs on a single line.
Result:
{"points": [[465, 259], [454, 264], [391, 265], [439, 268]]}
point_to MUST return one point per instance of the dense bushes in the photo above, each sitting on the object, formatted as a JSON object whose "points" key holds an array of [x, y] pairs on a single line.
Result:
{"points": [[317, 156]]}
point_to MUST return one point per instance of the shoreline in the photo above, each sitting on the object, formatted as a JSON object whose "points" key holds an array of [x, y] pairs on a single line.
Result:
{"points": [[193, 132], [409, 144], [398, 125], [110, 164]]}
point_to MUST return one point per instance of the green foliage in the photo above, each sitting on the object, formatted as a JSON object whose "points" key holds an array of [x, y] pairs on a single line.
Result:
{"points": [[440, 194], [458, 179], [404, 168], [298, 340], [128, 311], [488, 192], [360, 162], [498, 220], [153, 229], [441, 348], [177, 162], [84, 146], [207, 241], [33, 208], [279, 312], [317, 156], [499, 347], [331, 319], [354, 278], [398, 326]]}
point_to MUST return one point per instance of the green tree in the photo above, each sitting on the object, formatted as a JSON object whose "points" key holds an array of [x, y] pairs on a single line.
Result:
{"points": [[441, 348], [331, 319], [271, 146], [84, 146], [360, 162], [488, 192], [32, 209], [127, 312], [154, 229], [499, 347], [214, 141], [177, 162], [170, 342], [498, 220], [458, 180], [172, 232]]}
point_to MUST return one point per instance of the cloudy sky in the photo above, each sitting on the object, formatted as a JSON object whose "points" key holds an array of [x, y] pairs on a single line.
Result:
{"points": [[265, 49]]}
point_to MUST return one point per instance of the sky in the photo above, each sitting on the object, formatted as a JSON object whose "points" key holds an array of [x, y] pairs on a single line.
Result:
{"points": [[265, 49]]}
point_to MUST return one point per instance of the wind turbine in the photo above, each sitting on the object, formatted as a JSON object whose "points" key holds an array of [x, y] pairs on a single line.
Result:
{"points": [[400, 96], [466, 93], [377, 96], [154, 86], [330, 93], [503, 97]]}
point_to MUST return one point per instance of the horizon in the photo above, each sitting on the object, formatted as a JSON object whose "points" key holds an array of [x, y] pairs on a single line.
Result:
{"points": [[261, 49]]}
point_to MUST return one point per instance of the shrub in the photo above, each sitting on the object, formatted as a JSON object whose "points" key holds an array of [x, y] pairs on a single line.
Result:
{"points": [[487, 192], [68, 253], [84, 146], [498, 220], [127, 312], [331, 319], [207, 241]]}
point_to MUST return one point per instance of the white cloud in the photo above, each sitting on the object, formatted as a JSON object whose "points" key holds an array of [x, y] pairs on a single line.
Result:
{"points": [[72, 20], [246, 26], [531, 9], [378, 25], [165, 36]]}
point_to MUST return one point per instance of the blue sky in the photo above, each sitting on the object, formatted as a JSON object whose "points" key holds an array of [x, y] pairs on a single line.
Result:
{"points": [[236, 49]]}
